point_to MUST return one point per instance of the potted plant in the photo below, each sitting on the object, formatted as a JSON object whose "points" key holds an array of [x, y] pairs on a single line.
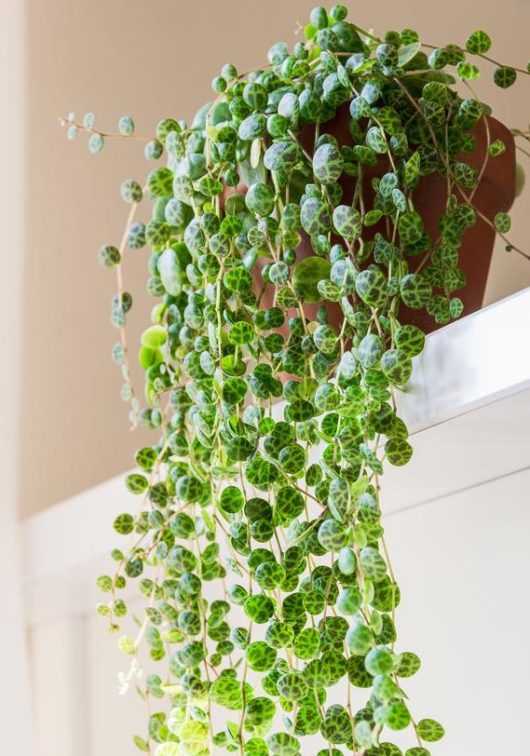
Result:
{"points": [[311, 218]]}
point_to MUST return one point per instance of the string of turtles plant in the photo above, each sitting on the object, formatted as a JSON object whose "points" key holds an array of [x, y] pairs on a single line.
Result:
{"points": [[258, 544]]}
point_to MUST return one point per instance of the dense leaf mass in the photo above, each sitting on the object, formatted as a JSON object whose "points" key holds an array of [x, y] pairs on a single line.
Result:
{"points": [[280, 259]]}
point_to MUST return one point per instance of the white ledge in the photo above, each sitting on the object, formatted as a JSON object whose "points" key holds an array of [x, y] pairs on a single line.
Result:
{"points": [[468, 405], [471, 362]]}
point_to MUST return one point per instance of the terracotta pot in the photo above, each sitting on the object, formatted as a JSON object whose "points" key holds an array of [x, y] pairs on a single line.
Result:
{"points": [[495, 193]]}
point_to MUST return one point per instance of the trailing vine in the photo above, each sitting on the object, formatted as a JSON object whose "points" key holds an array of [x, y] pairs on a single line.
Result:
{"points": [[257, 544]]}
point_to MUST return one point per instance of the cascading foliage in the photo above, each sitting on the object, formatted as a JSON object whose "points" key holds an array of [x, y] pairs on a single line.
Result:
{"points": [[257, 541]]}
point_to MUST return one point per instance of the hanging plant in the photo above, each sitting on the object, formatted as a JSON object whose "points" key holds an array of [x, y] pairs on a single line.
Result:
{"points": [[305, 225]]}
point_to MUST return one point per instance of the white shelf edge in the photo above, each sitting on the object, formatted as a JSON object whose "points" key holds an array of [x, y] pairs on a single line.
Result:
{"points": [[469, 363]]}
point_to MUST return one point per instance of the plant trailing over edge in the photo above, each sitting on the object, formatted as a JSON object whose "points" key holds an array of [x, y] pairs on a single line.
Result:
{"points": [[258, 542]]}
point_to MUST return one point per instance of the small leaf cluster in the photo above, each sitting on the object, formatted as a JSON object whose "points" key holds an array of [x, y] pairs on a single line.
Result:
{"points": [[257, 541]]}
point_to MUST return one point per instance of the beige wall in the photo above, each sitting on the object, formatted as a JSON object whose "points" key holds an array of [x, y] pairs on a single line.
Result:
{"points": [[153, 58]]}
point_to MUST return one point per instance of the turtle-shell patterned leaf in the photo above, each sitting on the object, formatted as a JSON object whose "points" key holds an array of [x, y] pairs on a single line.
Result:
{"points": [[328, 163], [306, 277], [241, 333], [438, 306], [238, 279], [194, 237], [283, 744], [386, 595], [467, 71], [395, 715], [289, 504], [397, 366], [465, 175], [387, 55], [256, 747], [359, 108], [231, 500], [279, 634], [260, 656], [299, 411], [131, 191], [399, 144], [109, 256], [209, 186], [182, 560], [292, 686], [307, 643], [371, 286], [379, 661], [255, 95], [430, 730], [259, 710], [310, 105], [387, 184], [497, 147], [259, 608], [157, 233], [349, 601], [364, 735], [337, 725], [478, 42], [260, 199], [504, 76], [308, 720], [412, 170], [359, 639], [415, 290], [376, 140], [372, 564], [234, 390], [327, 397], [389, 120], [502, 223], [410, 227], [191, 654], [370, 350], [292, 459], [189, 488], [279, 273], [227, 691], [347, 222], [410, 340], [398, 451], [333, 535], [399, 200], [409, 664], [160, 182], [124, 524], [315, 216], [269, 575], [343, 275], [385, 689], [325, 339], [364, 155], [339, 499], [252, 127], [334, 665], [469, 112], [389, 749], [282, 155], [357, 674]]}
